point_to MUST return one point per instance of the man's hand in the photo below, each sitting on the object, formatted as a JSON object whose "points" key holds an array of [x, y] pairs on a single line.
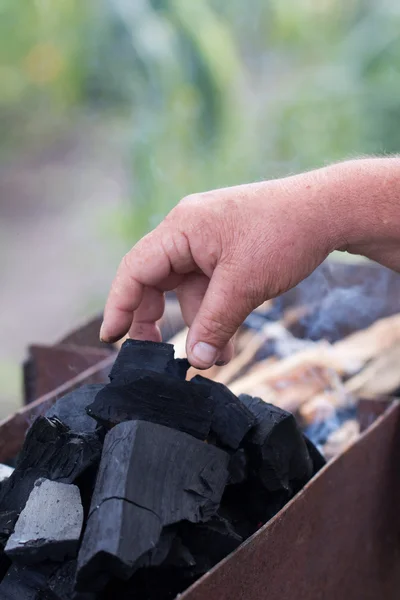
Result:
{"points": [[227, 251]]}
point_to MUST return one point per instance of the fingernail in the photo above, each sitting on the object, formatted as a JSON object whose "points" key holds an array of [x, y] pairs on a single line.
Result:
{"points": [[101, 335], [205, 353]]}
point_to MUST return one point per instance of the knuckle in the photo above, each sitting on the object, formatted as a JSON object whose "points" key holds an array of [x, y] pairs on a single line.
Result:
{"points": [[126, 261]]}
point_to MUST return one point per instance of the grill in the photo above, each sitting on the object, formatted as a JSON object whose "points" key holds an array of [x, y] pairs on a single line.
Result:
{"points": [[338, 538]]}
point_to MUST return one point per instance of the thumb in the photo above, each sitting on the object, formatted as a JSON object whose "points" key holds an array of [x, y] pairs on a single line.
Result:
{"points": [[224, 308]]}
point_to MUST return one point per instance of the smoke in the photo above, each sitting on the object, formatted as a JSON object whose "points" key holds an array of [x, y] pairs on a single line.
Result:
{"points": [[319, 431], [340, 303]]}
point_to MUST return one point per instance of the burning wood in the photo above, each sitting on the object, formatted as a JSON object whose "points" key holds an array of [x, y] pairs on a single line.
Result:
{"points": [[169, 478]]}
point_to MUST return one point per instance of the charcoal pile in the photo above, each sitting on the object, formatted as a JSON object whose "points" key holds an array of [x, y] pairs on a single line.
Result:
{"points": [[135, 489]]}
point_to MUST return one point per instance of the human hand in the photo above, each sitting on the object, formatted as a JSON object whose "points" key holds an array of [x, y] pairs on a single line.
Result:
{"points": [[224, 252]]}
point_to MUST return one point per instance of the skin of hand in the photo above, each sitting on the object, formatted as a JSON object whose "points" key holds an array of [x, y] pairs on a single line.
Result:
{"points": [[227, 251]]}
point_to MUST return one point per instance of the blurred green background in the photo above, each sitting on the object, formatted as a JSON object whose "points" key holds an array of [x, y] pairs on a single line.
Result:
{"points": [[112, 110]]}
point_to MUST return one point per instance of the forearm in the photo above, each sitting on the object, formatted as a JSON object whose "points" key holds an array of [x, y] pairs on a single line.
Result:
{"points": [[358, 202]]}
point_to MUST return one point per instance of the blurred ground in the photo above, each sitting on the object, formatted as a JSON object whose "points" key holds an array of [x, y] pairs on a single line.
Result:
{"points": [[56, 261]]}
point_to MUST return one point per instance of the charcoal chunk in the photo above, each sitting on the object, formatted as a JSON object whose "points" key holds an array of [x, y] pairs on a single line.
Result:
{"points": [[7, 522], [209, 542], [158, 555], [155, 583], [276, 447], [49, 527], [178, 368], [137, 355], [179, 555], [238, 467], [25, 583], [5, 564], [71, 408], [51, 451], [61, 584], [157, 398], [149, 477], [231, 420]]}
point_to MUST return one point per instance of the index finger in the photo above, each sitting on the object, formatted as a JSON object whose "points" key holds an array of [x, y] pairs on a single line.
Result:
{"points": [[146, 264]]}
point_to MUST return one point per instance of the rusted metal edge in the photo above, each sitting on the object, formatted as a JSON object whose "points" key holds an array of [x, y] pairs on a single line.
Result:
{"points": [[339, 538], [48, 367], [13, 429]]}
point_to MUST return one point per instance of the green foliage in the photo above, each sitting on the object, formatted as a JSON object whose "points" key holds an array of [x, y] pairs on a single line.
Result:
{"points": [[41, 71], [210, 93]]}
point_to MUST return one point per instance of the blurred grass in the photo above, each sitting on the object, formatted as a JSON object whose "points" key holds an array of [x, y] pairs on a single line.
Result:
{"points": [[207, 93]]}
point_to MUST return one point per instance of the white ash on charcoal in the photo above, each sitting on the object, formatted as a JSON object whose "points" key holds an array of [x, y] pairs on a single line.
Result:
{"points": [[49, 526], [137, 488], [51, 451], [5, 472]]}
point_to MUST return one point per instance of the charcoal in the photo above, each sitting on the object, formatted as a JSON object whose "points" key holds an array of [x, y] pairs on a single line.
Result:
{"points": [[248, 506], [25, 583], [157, 398], [149, 477], [5, 564], [316, 456], [51, 451], [155, 583], [61, 584], [179, 555], [209, 542], [238, 467], [178, 368], [70, 409], [8, 519], [232, 420], [277, 450], [49, 527], [136, 355], [86, 483], [158, 555], [5, 472]]}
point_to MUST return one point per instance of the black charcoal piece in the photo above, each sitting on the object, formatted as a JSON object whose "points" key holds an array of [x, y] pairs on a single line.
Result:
{"points": [[61, 584], [50, 451], [5, 472], [179, 555], [278, 454], [136, 355], [149, 477], [7, 522], [238, 467], [49, 527], [5, 564], [157, 398], [154, 583], [157, 556], [26, 583], [178, 367], [210, 542], [231, 420], [8, 519], [169, 551], [71, 409], [316, 456], [248, 506]]}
